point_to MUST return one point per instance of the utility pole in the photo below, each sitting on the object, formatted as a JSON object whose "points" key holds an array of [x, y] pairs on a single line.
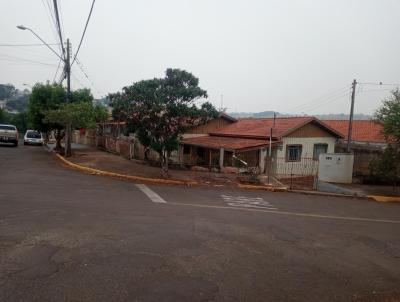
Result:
{"points": [[68, 127], [353, 94]]}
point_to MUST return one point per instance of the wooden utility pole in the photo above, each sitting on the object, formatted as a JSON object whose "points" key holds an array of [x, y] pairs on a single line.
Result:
{"points": [[353, 94]]}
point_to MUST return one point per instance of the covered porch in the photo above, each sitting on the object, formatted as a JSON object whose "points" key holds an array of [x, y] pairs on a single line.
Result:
{"points": [[218, 152]]}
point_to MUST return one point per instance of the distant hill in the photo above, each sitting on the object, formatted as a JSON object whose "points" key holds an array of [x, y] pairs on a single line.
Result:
{"points": [[330, 116]]}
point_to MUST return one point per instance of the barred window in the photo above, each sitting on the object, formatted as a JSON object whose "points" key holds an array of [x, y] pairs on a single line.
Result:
{"points": [[293, 152]]}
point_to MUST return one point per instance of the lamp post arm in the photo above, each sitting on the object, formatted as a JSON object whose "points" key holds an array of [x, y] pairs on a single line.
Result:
{"points": [[51, 48]]}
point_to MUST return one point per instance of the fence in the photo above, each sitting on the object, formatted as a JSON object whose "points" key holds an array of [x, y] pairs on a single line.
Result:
{"points": [[300, 174]]}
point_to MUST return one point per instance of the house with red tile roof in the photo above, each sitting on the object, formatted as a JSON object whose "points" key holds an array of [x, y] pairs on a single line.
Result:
{"points": [[294, 140]]}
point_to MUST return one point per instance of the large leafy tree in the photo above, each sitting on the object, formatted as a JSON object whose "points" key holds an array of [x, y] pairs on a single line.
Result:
{"points": [[160, 110], [48, 110], [389, 115], [46, 97], [79, 114], [387, 166]]}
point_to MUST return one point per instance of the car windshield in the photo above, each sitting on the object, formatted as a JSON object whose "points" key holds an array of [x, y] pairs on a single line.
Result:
{"points": [[4, 127], [33, 134]]}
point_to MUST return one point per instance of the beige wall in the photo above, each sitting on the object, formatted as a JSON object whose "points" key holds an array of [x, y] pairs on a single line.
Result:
{"points": [[308, 145], [306, 166]]}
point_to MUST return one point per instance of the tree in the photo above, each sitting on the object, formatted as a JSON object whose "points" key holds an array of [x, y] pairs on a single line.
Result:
{"points": [[386, 168], [80, 115], [46, 97], [389, 115], [18, 103], [7, 91], [48, 110], [161, 110]]}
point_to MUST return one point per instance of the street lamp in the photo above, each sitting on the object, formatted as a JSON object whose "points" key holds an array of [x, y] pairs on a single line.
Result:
{"points": [[67, 69], [21, 27]]}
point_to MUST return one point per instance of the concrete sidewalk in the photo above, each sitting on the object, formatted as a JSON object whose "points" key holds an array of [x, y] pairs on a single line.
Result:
{"points": [[101, 160]]}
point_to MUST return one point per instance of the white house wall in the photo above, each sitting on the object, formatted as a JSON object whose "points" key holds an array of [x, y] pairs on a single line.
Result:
{"points": [[307, 166]]}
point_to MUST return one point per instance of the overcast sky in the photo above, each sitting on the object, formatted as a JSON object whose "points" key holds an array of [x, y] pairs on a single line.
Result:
{"points": [[260, 55]]}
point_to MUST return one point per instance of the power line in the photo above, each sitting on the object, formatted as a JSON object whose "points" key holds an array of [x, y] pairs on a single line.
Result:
{"points": [[50, 16], [84, 32], [59, 27], [16, 60], [27, 45], [58, 67], [81, 67], [328, 101], [77, 80], [318, 99], [380, 84]]}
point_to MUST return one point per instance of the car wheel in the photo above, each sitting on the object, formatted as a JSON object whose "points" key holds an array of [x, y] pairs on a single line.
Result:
{"points": [[16, 144]]}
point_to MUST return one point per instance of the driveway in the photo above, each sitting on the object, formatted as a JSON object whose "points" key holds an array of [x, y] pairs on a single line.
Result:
{"points": [[67, 236]]}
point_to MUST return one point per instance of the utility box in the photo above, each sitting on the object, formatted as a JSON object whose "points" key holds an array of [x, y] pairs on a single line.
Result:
{"points": [[336, 167]]}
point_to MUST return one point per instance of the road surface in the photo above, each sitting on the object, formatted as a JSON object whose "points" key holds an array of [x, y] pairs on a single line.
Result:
{"points": [[68, 236]]}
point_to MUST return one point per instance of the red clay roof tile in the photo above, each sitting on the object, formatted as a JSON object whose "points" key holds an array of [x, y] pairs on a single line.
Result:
{"points": [[363, 130]]}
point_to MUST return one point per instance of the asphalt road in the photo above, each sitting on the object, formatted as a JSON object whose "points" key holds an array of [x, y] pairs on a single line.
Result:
{"points": [[68, 236]]}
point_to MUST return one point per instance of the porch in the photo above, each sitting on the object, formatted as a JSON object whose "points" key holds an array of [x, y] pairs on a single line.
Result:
{"points": [[215, 152]]}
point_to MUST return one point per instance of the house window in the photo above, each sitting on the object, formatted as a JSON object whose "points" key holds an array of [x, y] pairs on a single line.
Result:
{"points": [[319, 149], [293, 152]]}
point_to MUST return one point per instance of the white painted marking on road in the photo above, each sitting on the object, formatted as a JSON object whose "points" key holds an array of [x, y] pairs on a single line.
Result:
{"points": [[289, 213], [247, 202], [154, 197]]}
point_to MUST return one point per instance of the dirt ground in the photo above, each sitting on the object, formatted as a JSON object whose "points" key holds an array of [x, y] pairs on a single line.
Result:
{"points": [[94, 158]]}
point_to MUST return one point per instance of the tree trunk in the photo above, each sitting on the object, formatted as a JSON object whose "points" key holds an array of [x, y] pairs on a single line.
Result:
{"points": [[59, 136], [164, 162]]}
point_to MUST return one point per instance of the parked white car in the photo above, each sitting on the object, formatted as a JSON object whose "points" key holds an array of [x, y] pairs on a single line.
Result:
{"points": [[33, 137]]}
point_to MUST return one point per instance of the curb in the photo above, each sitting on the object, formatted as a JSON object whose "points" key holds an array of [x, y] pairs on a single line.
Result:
{"points": [[123, 176], [385, 199], [318, 193], [260, 187]]}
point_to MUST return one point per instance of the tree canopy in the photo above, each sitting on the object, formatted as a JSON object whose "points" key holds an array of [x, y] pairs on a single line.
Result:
{"points": [[7, 91], [386, 168], [159, 110], [48, 110], [389, 115]]}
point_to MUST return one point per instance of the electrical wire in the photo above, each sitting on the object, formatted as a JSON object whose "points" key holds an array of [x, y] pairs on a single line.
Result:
{"points": [[59, 27], [84, 32], [58, 67], [49, 13], [319, 99], [380, 84], [27, 45], [77, 80], [329, 102], [19, 60], [82, 69]]}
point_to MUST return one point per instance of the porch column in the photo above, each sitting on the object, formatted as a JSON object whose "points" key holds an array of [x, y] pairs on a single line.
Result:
{"points": [[180, 155], [221, 158], [263, 156]]}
